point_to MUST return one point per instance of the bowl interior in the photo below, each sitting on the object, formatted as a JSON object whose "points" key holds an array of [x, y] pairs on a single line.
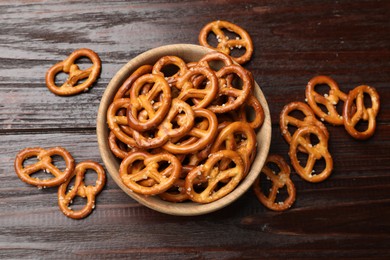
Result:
{"points": [[188, 53]]}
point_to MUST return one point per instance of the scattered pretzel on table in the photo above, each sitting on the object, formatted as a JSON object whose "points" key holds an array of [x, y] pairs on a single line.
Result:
{"points": [[279, 180], [329, 100], [355, 99], [225, 45], [45, 157], [90, 192], [315, 152], [68, 66], [287, 119], [61, 178]]}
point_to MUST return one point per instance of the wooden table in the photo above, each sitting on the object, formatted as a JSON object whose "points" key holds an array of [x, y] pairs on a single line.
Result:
{"points": [[346, 216]]}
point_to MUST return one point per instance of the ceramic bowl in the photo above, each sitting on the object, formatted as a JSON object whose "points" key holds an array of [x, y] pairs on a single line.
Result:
{"points": [[188, 53]]}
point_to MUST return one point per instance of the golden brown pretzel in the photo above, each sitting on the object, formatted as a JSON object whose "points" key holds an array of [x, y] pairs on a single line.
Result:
{"points": [[200, 136], [149, 139], [212, 177], [44, 163], [354, 101], [286, 119], [123, 91], [165, 131], [258, 117], [75, 74], [139, 101], [143, 114], [228, 89], [177, 192], [213, 60], [190, 91], [161, 181], [80, 189], [117, 147], [329, 100], [279, 180], [315, 152], [170, 60], [184, 121], [239, 137], [225, 44], [115, 122]]}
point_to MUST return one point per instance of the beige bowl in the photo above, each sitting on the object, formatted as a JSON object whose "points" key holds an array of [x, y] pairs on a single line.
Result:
{"points": [[188, 53]]}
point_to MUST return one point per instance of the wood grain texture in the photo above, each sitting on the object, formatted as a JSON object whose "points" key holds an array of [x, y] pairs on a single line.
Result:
{"points": [[347, 216]]}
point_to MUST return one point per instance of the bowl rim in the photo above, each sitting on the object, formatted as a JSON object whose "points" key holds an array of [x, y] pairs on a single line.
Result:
{"points": [[154, 202]]}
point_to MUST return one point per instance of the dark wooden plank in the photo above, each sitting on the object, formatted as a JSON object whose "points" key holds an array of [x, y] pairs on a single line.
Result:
{"points": [[350, 156], [48, 111]]}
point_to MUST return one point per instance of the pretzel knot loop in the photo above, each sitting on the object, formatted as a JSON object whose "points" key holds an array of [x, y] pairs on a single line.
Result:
{"points": [[215, 60], [356, 99], [287, 119], [191, 90], [254, 103], [199, 136], [68, 66], [118, 123], [315, 152], [170, 60], [225, 45], [212, 177], [80, 189], [44, 164], [123, 91], [329, 100], [117, 147], [153, 175], [166, 129], [237, 95], [239, 137], [279, 180], [159, 92]]}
